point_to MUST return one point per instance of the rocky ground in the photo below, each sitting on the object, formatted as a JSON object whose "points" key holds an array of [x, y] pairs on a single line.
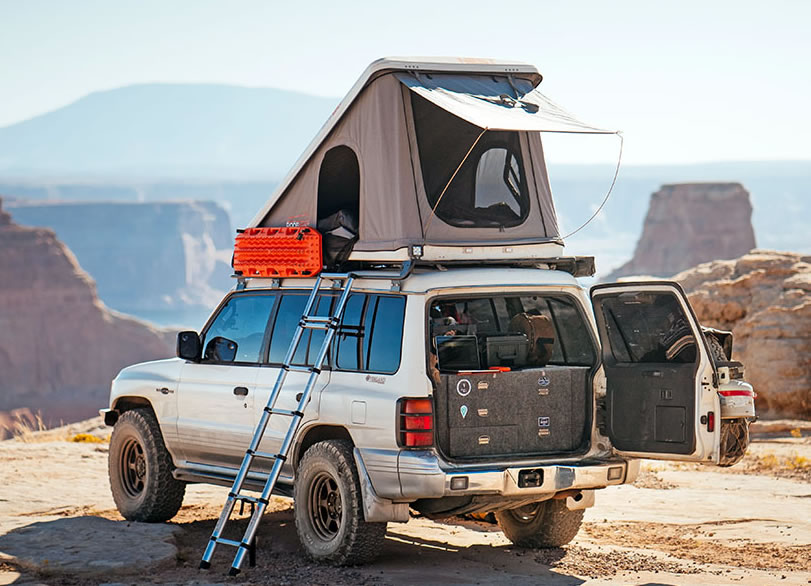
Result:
{"points": [[678, 524]]}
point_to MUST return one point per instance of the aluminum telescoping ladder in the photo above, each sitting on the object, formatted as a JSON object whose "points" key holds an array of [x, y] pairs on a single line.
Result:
{"points": [[308, 322]]}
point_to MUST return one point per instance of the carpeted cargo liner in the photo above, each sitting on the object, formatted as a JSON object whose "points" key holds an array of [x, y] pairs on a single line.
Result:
{"points": [[528, 412]]}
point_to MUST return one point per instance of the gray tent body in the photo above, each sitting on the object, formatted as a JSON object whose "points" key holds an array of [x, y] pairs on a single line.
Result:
{"points": [[445, 154]]}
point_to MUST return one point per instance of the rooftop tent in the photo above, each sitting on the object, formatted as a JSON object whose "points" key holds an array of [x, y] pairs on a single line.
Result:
{"points": [[446, 154]]}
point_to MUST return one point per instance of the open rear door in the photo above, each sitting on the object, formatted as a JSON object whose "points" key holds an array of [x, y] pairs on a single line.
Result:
{"points": [[660, 397]]}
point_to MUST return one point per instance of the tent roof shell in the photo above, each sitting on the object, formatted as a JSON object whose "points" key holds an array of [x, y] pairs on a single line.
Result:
{"points": [[389, 65]]}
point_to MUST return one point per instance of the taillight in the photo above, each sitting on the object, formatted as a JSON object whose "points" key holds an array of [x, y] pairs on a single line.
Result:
{"points": [[415, 423]]}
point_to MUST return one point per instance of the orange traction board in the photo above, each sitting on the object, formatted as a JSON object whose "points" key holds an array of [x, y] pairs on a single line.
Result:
{"points": [[278, 252]]}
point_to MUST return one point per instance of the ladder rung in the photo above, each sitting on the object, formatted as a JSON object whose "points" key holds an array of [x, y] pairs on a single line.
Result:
{"points": [[317, 319], [286, 412], [249, 499], [225, 541], [299, 368], [267, 455]]}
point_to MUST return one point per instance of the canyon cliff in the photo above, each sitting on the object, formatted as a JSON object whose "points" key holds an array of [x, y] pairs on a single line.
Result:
{"points": [[688, 224], [144, 257], [59, 345], [764, 297]]}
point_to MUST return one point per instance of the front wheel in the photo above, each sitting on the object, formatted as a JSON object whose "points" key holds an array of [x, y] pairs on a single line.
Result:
{"points": [[140, 470], [329, 507], [540, 525]]}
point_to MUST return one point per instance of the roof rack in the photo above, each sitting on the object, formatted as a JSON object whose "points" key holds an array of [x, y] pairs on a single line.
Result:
{"points": [[577, 266]]}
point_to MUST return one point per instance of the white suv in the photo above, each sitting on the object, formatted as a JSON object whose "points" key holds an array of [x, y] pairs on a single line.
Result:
{"points": [[448, 392]]}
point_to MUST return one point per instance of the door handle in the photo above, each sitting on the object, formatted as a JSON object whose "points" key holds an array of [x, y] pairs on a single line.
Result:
{"points": [[651, 373], [241, 391]]}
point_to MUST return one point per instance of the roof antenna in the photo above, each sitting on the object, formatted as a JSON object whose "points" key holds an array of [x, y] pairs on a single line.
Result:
{"points": [[605, 199]]}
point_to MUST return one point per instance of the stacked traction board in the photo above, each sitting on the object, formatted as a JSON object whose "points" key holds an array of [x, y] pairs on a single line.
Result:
{"points": [[278, 252]]}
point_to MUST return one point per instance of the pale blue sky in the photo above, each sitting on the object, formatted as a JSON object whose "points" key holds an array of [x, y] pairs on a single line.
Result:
{"points": [[686, 81]]}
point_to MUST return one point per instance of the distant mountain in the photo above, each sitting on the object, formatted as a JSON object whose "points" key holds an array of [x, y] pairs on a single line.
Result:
{"points": [[167, 131]]}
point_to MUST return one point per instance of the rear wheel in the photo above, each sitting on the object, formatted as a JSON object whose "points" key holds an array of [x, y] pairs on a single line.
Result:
{"points": [[540, 525], [140, 470], [329, 507]]}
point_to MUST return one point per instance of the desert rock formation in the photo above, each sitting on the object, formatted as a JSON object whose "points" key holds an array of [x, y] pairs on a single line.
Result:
{"points": [[143, 256], [764, 297], [691, 223], [59, 345]]}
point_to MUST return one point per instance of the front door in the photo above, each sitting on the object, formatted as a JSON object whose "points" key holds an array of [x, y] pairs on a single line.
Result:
{"points": [[660, 396], [217, 396]]}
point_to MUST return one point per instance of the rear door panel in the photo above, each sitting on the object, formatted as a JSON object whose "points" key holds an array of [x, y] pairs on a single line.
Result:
{"points": [[659, 393]]}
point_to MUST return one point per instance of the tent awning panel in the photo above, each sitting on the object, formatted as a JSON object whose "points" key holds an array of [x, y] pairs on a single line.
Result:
{"points": [[496, 103]]}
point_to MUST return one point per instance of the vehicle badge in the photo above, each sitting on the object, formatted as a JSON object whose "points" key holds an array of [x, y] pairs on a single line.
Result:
{"points": [[484, 440], [463, 411], [483, 412], [543, 422], [463, 387], [543, 381], [482, 385]]}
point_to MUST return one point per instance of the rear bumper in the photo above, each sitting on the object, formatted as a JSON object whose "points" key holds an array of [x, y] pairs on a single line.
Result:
{"points": [[412, 475]]}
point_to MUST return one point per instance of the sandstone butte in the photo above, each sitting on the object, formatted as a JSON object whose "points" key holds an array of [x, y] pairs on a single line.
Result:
{"points": [[764, 297], [691, 223], [59, 345]]}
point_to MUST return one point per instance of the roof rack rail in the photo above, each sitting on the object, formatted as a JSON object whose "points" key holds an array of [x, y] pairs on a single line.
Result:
{"points": [[577, 266]]}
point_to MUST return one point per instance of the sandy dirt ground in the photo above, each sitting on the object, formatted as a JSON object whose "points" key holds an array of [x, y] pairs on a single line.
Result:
{"points": [[678, 524]]}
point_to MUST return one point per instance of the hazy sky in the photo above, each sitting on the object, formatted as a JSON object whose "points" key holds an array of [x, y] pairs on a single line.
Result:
{"points": [[686, 81]]}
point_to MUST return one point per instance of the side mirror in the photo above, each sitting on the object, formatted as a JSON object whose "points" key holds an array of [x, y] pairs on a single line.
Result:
{"points": [[221, 349], [188, 345]]}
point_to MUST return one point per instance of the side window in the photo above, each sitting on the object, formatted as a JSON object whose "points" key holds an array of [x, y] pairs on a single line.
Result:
{"points": [[350, 336], [291, 307], [243, 319], [386, 335], [648, 327]]}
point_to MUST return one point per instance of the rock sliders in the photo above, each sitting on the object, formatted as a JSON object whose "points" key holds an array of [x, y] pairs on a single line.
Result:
{"points": [[691, 223], [764, 297]]}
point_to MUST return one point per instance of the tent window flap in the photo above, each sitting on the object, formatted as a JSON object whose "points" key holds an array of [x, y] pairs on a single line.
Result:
{"points": [[496, 102]]}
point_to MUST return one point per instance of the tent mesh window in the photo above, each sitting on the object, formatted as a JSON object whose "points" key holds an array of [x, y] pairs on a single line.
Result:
{"points": [[490, 189]]}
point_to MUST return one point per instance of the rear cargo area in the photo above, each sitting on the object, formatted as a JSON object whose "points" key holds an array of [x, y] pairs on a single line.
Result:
{"points": [[529, 412], [512, 376]]}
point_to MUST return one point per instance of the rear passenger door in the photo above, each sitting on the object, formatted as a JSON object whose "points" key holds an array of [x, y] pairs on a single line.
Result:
{"points": [[660, 399], [289, 313]]}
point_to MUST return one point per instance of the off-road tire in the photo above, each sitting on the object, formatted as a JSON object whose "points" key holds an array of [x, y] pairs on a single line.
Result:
{"points": [[734, 441], [734, 432], [540, 525], [327, 472], [717, 352], [140, 470]]}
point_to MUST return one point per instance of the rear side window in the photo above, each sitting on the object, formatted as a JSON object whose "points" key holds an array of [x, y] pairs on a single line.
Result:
{"points": [[386, 334], [243, 320]]}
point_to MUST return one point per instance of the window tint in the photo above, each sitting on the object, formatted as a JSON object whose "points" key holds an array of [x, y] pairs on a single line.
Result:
{"points": [[648, 327], [369, 339], [350, 335], [489, 189], [386, 334], [290, 311], [242, 319], [518, 331]]}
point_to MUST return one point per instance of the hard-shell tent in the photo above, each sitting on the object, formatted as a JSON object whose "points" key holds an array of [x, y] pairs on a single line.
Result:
{"points": [[444, 154]]}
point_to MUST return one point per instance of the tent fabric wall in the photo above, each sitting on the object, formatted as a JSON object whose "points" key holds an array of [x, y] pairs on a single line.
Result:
{"points": [[394, 208]]}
